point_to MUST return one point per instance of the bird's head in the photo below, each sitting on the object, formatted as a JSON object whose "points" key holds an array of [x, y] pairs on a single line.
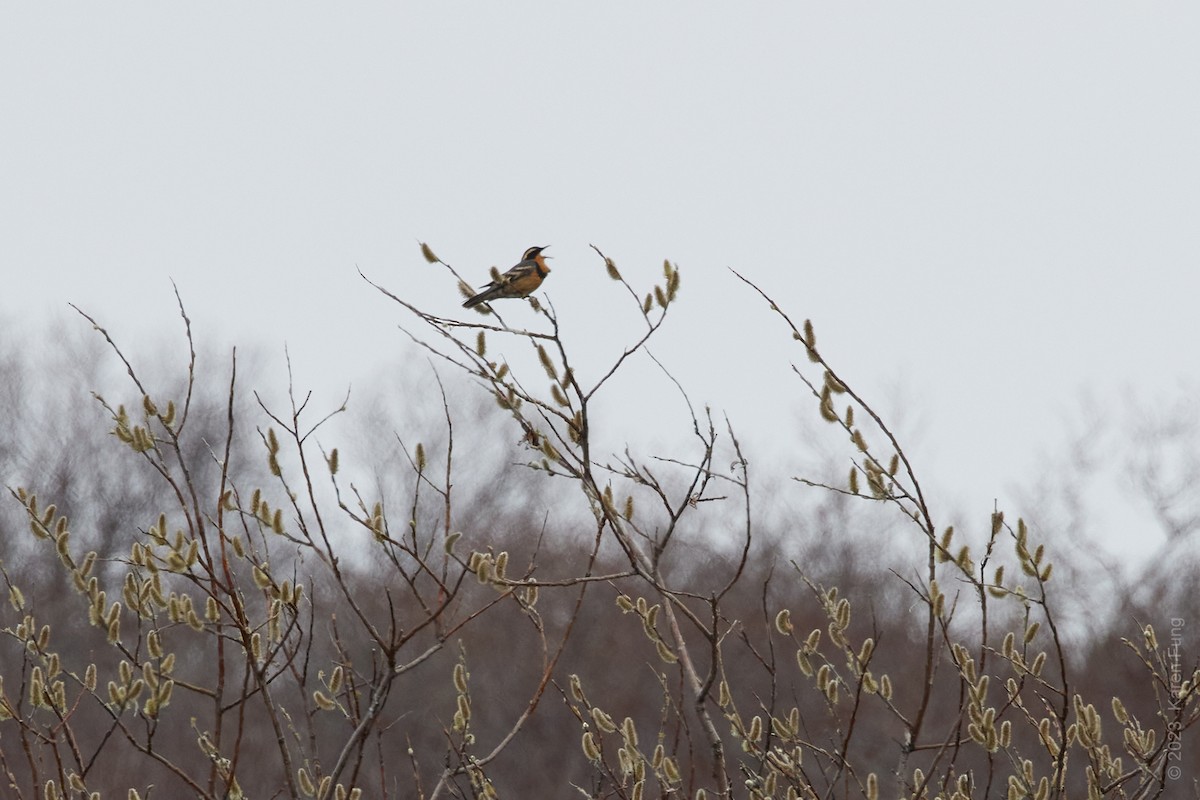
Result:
{"points": [[534, 252]]}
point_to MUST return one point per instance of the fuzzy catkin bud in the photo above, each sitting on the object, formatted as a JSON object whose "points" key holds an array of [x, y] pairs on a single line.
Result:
{"points": [[306, 784], [460, 677], [589, 747], [756, 728], [603, 721], [629, 732]]}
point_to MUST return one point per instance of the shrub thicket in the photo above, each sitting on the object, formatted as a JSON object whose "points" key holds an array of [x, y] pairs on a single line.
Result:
{"points": [[241, 618]]}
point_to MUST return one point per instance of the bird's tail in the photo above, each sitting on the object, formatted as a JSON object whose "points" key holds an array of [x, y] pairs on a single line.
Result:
{"points": [[482, 297]]}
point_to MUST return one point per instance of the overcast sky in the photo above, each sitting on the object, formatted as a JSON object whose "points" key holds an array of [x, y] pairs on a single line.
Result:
{"points": [[987, 210]]}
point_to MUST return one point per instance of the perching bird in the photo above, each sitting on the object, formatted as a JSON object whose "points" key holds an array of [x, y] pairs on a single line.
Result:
{"points": [[520, 281]]}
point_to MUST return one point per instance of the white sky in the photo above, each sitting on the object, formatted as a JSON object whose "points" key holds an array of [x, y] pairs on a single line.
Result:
{"points": [[987, 210]]}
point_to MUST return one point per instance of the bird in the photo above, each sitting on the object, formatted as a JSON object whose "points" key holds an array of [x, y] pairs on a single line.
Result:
{"points": [[520, 281]]}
